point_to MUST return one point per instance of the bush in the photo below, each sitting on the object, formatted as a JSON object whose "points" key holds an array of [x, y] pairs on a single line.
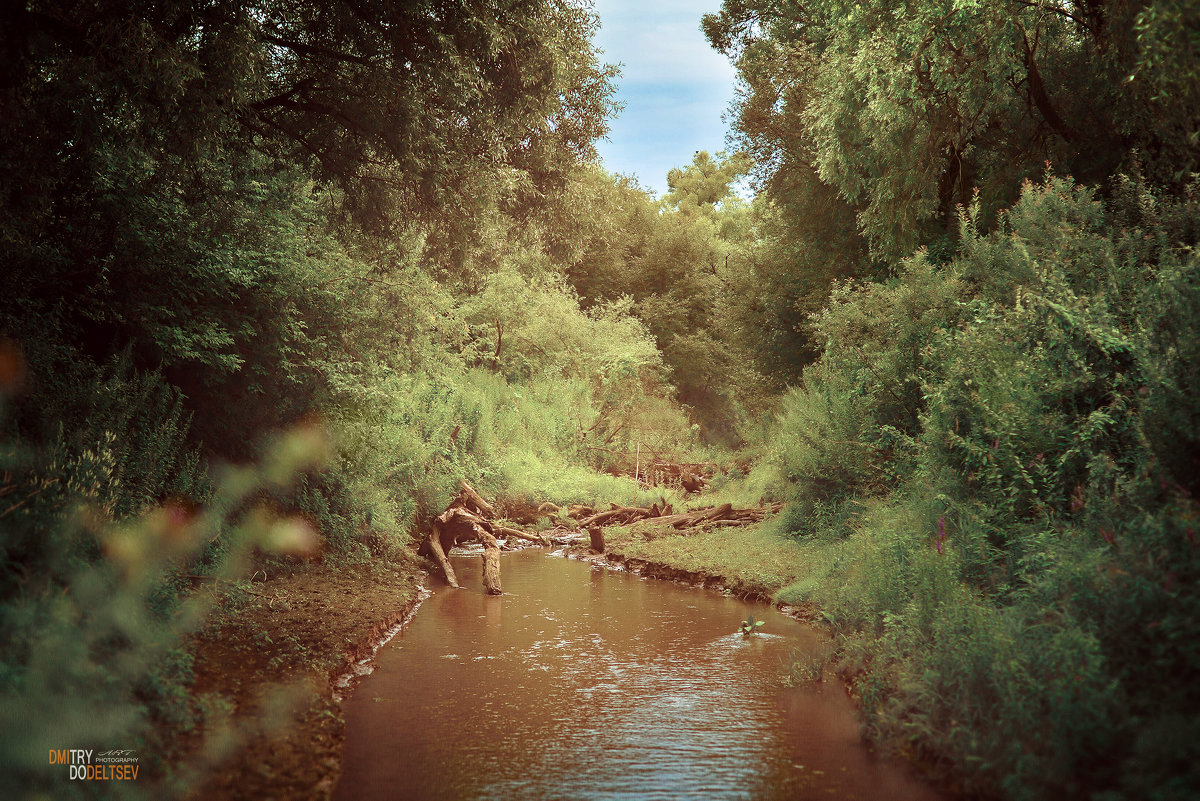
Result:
{"points": [[1019, 600], [94, 608]]}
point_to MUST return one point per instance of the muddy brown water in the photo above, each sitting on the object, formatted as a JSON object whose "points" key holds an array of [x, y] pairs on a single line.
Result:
{"points": [[586, 683]]}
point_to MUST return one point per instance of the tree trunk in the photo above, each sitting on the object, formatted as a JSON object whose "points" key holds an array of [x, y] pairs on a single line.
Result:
{"points": [[439, 553], [472, 501], [506, 531]]}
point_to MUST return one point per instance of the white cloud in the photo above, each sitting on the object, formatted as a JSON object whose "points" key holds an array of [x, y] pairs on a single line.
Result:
{"points": [[674, 86]]}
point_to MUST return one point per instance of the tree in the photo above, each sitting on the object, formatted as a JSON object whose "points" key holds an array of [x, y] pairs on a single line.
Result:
{"points": [[682, 260], [212, 182], [906, 110], [705, 182]]}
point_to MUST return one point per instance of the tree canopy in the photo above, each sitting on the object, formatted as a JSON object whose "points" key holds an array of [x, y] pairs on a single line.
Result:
{"points": [[907, 110]]}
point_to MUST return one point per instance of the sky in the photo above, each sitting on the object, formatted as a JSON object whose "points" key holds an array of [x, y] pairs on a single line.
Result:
{"points": [[674, 86]]}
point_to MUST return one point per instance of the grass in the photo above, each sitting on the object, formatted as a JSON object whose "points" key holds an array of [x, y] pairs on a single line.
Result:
{"points": [[524, 474], [750, 557]]}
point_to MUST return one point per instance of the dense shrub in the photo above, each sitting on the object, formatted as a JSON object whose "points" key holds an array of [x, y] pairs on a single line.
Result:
{"points": [[1019, 600], [102, 523]]}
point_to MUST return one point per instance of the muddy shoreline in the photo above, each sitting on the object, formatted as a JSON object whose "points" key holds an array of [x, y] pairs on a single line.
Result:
{"points": [[276, 665], [359, 659], [696, 579]]}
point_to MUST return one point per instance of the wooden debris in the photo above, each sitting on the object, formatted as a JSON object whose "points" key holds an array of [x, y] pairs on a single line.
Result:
{"points": [[509, 531], [439, 553], [468, 519], [724, 515], [578, 511], [469, 499], [491, 563], [687, 477]]}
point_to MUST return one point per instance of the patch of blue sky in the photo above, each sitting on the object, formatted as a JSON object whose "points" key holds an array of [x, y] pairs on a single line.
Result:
{"points": [[675, 88]]}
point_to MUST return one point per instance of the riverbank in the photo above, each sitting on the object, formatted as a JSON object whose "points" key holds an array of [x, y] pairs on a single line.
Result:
{"points": [[269, 665], [750, 562]]}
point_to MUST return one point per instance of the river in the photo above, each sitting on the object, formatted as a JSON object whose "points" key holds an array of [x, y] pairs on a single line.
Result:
{"points": [[586, 683]]}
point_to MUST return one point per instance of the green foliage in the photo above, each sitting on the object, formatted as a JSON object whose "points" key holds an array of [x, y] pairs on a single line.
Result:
{"points": [[789, 271], [706, 182], [94, 623], [221, 223], [993, 469], [903, 110], [110, 435], [511, 440], [849, 429], [750, 626], [682, 262]]}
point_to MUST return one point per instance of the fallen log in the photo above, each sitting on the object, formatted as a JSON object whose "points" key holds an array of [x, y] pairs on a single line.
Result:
{"points": [[458, 524], [625, 515], [680, 520], [508, 531], [469, 499], [469, 518], [710, 516], [721, 512], [464, 525], [616, 516]]}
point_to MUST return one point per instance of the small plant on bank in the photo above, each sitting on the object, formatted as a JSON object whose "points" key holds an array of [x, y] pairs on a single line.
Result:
{"points": [[750, 626]]}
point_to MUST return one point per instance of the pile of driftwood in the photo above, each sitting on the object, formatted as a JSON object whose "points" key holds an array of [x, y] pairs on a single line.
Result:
{"points": [[708, 517], [469, 518], [649, 468]]}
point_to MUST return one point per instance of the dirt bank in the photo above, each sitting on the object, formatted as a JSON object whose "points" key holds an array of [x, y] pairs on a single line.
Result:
{"points": [[270, 666], [711, 578], [627, 550]]}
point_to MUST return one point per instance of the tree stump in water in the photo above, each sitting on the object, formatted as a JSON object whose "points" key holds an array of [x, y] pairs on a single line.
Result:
{"points": [[491, 563]]}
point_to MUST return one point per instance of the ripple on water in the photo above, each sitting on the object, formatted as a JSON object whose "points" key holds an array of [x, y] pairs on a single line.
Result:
{"points": [[584, 684]]}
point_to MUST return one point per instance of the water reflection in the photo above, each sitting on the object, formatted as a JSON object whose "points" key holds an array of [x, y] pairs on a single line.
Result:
{"points": [[600, 686]]}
